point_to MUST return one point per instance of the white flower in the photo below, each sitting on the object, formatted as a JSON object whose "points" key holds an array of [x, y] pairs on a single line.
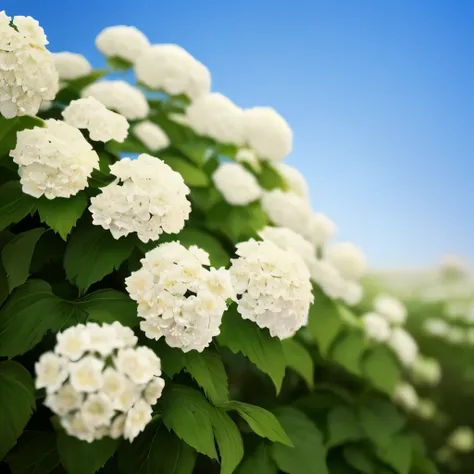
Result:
{"points": [[376, 327], [406, 396], [426, 409], [125, 42], [54, 161], [294, 179], [170, 68], [238, 186], [114, 383], [246, 155], [326, 275], [63, 401], [216, 116], [390, 308], [404, 346], [86, 374], [153, 390], [274, 285], [151, 135], [102, 124], [322, 229], [139, 365], [71, 65], [76, 426], [97, 410], [435, 327], [462, 439], [347, 258], [72, 342], [116, 429], [267, 133], [27, 72], [352, 293], [121, 97], [100, 338], [426, 371], [178, 298], [148, 198], [51, 371], [138, 417]]}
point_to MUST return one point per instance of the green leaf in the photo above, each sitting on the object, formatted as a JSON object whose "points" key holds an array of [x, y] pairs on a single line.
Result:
{"points": [[299, 359], [229, 441], [244, 336], [359, 459], [172, 359], [195, 151], [17, 399], [14, 204], [62, 214], [17, 255], [92, 253], [261, 421], [29, 313], [269, 178], [9, 129], [188, 414], [209, 372], [81, 457], [34, 453], [107, 306], [259, 462], [118, 64], [382, 369], [343, 426], [80, 83], [130, 145], [348, 351], [398, 454], [308, 455], [192, 175]]}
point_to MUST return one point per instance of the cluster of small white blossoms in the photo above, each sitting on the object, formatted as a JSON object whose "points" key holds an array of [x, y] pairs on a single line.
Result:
{"points": [[71, 65], [426, 370], [406, 396], [376, 327], [450, 333], [462, 439], [294, 179], [178, 297], [147, 197], [274, 287], [238, 186], [103, 124], [170, 68], [99, 383], [151, 135], [404, 346], [121, 97], [27, 72], [426, 409], [124, 42], [54, 161]]}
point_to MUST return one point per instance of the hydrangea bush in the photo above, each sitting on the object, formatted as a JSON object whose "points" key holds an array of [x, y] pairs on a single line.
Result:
{"points": [[170, 301]]}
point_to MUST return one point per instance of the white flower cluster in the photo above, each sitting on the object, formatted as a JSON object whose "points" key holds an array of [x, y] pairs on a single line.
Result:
{"points": [[426, 371], [71, 65], [376, 327], [178, 298], [103, 125], [267, 133], [274, 285], [323, 229], [392, 309], [404, 346], [27, 72], [347, 258], [406, 396], [148, 198], [462, 439], [151, 135], [238, 186], [54, 161], [124, 42], [99, 383], [170, 68], [426, 409], [294, 179], [120, 97]]}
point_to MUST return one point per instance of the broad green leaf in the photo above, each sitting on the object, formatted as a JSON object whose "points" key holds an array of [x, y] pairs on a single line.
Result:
{"points": [[360, 459], [196, 151], [81, 457], [229, 441], [92, 253], [269, 178], [261, 421], [130, 145], [9, 129], [62, 214], [34, 453], [382, 369], [244, 336], [188, 414], [209, 372], [17, 399], [348, 351], [107, 306], [80, 83], [299, 359], [259, 462], [156, 451], [192, 175], [421, 465], [118, 64], [29, 313], [172, 358], [14, 204], [17, 255], [398, 454], [308, 455], [343, 426]]}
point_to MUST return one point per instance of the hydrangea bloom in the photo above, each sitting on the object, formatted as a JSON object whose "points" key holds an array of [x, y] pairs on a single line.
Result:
{"points": [[406, 396], [99, 383], [426, 409], [376, 327], [151, 135], [125, 42], [178, 297], [120, 97], [294, 179], [148, 198], [426, 371], [390, 308], [71, 65], [238, 186], [274, 287], [404, 346], [216, 116], [54, 161], [27, 72], [103, 125], [170, 68], [462, 439], [267, 133], [323, 229], [435, 327], [347, 258]]}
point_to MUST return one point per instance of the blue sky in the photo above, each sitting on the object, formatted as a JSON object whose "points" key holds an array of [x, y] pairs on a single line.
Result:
{"points": [[379, 93]]}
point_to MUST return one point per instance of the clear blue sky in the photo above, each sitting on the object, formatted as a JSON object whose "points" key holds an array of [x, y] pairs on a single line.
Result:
{"points": [[379, 93]]}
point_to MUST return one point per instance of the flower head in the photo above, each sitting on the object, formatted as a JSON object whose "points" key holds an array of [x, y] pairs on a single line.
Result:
{"points": [[71, 65], [390, 308], [347, 258], [404, 346], [151, 135], [294, 179], [125, 42], [376, 327]]}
